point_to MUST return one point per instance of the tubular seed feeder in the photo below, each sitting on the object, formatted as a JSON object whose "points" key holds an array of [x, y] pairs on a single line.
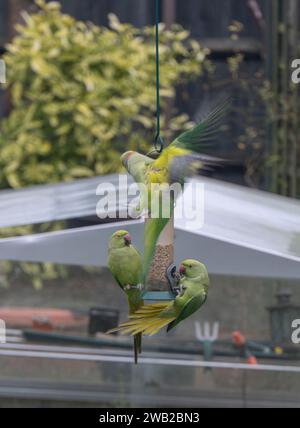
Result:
{"points": [[160, 282]]}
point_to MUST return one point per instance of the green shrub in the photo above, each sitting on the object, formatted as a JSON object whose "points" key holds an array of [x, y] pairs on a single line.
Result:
{"points": [[82, 94]]}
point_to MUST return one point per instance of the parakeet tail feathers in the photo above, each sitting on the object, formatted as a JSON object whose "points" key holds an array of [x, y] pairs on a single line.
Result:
{"points": [[149, 310], [185, 166], [146, 321]]}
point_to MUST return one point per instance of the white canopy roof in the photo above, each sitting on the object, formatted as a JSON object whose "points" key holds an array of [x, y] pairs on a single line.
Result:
{"points": [[246, 232]]}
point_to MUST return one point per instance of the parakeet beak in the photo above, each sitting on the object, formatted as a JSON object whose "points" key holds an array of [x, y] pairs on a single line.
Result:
{"points": [[125, 163], [127, 239], [125, 158], [182, 270]]}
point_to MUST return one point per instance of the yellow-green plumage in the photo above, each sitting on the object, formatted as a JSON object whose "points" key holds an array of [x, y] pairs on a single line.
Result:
{"points": [[150, 319], [178, 161], [125, 264]]}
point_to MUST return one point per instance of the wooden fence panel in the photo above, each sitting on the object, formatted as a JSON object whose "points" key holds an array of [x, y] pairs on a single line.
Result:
{"points": [[211, 18], [138, 12], [3, 20]]}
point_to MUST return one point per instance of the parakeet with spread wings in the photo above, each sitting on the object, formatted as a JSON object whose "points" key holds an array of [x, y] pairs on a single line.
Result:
{"points": [[177, 162]]}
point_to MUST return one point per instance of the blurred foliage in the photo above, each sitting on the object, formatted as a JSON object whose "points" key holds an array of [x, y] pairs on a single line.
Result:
{"points": [[267, 134], [244, 134], [81, 95]]}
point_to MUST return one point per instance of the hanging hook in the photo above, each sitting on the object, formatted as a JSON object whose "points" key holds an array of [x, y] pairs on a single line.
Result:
{"points": [[158, 144]]}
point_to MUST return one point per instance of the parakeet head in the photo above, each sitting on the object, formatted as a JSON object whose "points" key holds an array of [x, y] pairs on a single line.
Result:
{"points": [[120, 239], [134, 161], [125, 158], [192, 268]]}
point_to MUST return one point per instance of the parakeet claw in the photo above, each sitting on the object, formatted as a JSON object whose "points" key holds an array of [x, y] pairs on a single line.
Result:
{"points": [[177, 277], [182, 289]]}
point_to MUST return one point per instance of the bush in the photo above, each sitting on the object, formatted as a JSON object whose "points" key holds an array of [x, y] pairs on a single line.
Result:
{"points": [[82, 94]]}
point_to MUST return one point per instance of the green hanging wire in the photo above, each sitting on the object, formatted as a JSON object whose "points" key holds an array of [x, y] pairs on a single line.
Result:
{"points": [[158, 142]]}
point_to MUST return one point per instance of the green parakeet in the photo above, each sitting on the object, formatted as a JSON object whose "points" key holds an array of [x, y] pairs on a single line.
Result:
{"points": [[178, 161], [125, 264], [150, 319]]}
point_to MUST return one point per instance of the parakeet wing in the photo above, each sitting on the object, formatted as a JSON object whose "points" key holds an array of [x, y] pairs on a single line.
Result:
{"points": [[125, 265], [183, 157], [203, 133], [187, 165], [114, 272], [176, 163], [189, 308]]}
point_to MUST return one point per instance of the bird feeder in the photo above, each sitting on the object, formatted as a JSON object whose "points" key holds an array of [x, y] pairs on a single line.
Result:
{"points": [[160, 282]]}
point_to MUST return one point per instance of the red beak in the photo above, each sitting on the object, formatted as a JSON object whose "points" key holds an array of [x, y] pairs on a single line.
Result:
{"points": [[182, 270], [127, 239]]}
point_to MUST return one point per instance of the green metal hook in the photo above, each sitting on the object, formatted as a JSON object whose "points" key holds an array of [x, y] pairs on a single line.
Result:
{"points": [[158, 141]]}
